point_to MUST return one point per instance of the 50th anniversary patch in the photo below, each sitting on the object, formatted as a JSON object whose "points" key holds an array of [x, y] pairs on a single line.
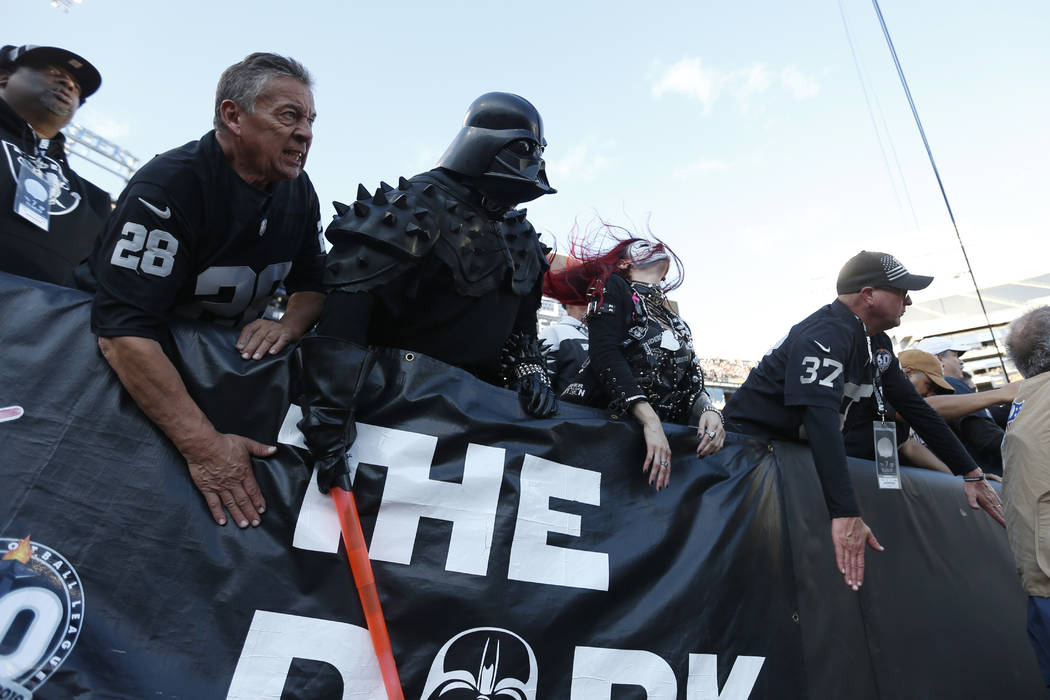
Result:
{"points": [[41, 613]]}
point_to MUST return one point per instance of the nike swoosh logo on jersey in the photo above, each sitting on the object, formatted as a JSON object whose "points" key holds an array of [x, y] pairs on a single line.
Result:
{"points": [[10, 413], [165, 214], [822, 347]]}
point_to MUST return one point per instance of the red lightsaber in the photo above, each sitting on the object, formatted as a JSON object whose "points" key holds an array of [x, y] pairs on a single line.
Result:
{"points": [[361, 567]]}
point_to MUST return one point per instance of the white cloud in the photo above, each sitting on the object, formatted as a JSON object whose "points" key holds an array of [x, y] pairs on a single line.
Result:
{"points": [[749, 82], [581, 164], [703, 165], [800, 84], [691, 78]]}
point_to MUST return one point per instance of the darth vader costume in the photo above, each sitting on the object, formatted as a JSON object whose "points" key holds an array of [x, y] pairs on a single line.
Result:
{"points": [[442, 264]]}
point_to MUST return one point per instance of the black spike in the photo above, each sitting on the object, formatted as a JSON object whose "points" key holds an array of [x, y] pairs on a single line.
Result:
{"points": [[420, 214], [385, 187], [429, 189], [456, 228], [401, 201], [414, 230], [402, 183], [363, 193], [522, 213], [389, 219], [379, 198], [450, 205], [362, 261], [340, 208], [360, 209], [468, 215]]}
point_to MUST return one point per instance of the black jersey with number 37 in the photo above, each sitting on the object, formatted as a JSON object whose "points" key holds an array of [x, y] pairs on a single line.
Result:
{"points": [[190, 237], [822, 362]]}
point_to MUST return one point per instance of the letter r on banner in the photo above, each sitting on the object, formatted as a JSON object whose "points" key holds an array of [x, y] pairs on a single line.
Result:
{"points": [[595, 671]]}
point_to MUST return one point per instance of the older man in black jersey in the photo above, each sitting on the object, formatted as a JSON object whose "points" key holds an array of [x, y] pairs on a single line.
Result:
{"points": [[836, 368], [209, 231]]}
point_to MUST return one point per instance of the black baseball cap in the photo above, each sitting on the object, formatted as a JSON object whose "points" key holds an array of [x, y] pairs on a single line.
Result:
{"points": [[85, 74], [868, 269]]}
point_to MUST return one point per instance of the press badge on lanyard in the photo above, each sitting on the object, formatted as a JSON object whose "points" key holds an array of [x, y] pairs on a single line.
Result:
{"points": [[32, 193], [887, 465]]}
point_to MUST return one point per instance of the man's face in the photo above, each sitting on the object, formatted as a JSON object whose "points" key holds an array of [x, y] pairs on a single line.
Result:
{"points": [[41, 93], [921, 382], [276, 137], [888, 305], [952, 364]]}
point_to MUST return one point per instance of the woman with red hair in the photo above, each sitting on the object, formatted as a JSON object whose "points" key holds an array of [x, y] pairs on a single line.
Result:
{"points": [[641, 358]]}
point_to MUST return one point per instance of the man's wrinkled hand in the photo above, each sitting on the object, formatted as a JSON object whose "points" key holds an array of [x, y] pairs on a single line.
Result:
{"points": [[850, 535], [536, 396], [261, 337], [981, 495], [222, 472]]}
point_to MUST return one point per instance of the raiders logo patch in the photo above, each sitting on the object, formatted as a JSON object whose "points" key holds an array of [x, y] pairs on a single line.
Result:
{"points": [[883, 358], [62, 198]]}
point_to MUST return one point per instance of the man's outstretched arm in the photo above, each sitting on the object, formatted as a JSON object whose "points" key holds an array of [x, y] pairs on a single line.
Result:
{"points": [[849, 533], [220, 464]]}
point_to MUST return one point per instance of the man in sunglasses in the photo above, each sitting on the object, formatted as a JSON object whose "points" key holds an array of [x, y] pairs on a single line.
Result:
{"points": [[835, 370], [49, 215]]}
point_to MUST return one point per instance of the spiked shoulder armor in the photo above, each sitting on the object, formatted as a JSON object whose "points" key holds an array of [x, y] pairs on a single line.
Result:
{"points": [[383, 235]]}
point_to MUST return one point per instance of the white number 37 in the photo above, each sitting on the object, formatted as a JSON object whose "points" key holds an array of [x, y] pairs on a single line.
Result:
{"points": [[158, 257], [811, 364]]}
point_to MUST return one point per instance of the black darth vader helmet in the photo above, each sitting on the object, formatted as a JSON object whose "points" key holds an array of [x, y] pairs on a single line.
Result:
{"points": [[500, 148]]}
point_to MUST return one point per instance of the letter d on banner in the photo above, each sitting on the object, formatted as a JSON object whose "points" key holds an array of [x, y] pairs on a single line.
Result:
{"points": [[275, 639]]}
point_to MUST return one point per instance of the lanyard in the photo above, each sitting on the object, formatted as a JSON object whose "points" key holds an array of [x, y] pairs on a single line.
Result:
{"points": [[876, 382]]}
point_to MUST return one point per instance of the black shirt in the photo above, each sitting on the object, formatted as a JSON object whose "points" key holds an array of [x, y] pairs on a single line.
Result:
{"points": [[78, 208], [824, 362], [979, 433], [190, 237]]}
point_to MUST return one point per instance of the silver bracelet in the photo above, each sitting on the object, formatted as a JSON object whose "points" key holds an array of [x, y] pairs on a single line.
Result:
{"points": [[714, 410]]}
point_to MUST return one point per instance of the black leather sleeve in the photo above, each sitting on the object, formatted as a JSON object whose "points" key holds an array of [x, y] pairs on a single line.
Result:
{"points": [[608, 323]]}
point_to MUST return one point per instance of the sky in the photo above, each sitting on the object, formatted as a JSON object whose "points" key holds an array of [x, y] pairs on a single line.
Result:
{"points": [[745, 134]]}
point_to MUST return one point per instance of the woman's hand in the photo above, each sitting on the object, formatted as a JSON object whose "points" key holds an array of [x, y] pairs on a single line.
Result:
{"points": [[710, 433], [657, 452]]}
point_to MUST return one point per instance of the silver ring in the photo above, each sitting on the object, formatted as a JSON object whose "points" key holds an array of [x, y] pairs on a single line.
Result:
{"points": [[711, 433], [664, 464]]}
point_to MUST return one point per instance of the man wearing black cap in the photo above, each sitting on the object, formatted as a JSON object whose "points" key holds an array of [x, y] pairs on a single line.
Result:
{"points": [[49, 215], [836, 369]]}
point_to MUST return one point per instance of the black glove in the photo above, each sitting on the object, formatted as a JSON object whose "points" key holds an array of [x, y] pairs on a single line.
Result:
{"points": [[525, 370], [334, 370], [536, 395]]}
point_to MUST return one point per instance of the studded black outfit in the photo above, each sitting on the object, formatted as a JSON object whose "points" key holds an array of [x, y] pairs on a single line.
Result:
{"points": [[640, 350]]}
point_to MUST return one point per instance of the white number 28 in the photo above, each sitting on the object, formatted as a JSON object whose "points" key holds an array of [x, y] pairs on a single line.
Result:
{"points": [[811, 364], [158, 257]]}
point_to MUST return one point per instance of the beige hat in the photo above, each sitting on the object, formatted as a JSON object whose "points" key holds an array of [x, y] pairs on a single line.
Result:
{"points": [[929, 365]]}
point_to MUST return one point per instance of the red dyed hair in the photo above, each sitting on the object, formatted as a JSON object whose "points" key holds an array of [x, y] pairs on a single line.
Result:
{"points": [[591, 262]]}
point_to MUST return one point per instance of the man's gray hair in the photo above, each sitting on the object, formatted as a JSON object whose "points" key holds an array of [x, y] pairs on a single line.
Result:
{"points": [[243, 82], [1028, 342]]}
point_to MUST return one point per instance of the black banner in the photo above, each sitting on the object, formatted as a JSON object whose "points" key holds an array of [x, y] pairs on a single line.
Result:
{"points": [[515, 558]]}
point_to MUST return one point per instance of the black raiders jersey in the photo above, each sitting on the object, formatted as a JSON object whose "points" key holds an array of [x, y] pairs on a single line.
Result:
{"points": [[823, 361], [77, 209], [190, 237]]}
